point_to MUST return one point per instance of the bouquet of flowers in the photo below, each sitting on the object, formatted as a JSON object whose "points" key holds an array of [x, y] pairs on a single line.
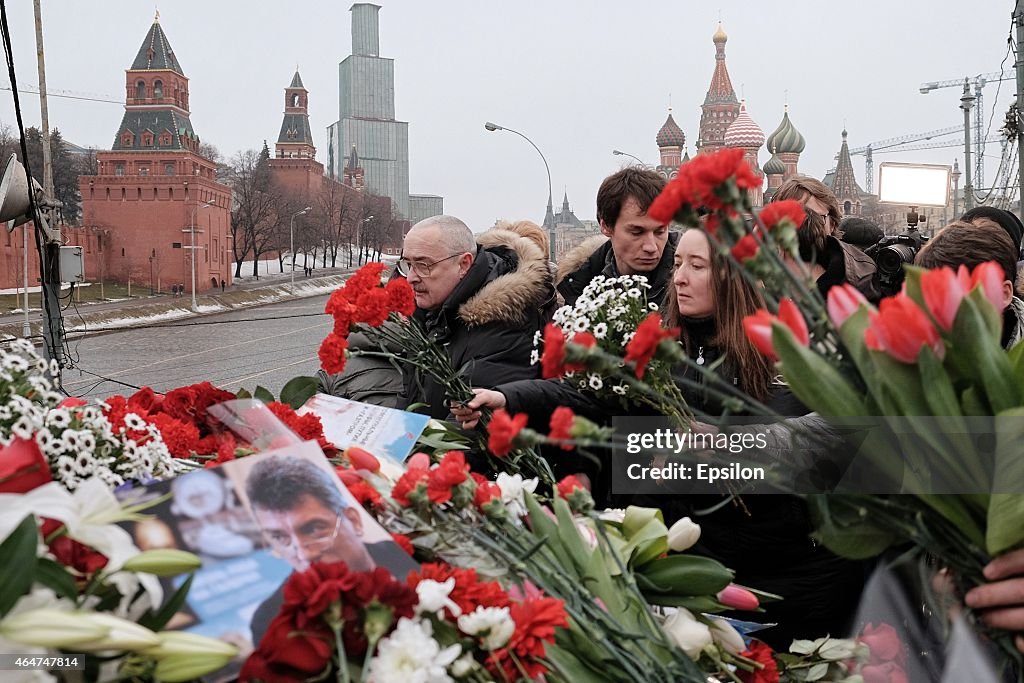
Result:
{"points": [[608, 312], [925, 372], [74, 439]]}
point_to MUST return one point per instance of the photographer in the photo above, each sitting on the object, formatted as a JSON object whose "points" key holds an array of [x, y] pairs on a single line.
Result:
{"points": [[833, 261]]}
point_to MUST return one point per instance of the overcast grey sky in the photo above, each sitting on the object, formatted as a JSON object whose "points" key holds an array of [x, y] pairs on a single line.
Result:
{"points": [[579, 78]]}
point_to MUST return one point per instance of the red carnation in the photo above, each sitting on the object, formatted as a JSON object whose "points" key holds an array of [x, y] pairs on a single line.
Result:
{"points": [[145, 400], [746, 248], [363, 492], [568, 485], [776, 212], [452, 471], [486, 491], [70, 553], [182, 438], [332, 353], [400, 296], [641, 348], [411, 480], [762, 654], [502, 431], [561, 426], [536, 620]]}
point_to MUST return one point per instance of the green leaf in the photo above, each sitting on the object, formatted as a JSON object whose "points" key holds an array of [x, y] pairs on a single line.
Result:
{"points": [[55, 576], [298, 390], [812, 379], [846, 532], [156, 621], [686, 575], [570, 536], [1006, 506], [263, 395], [980, 356], [17, 571], [545, 528], [243, 393]]}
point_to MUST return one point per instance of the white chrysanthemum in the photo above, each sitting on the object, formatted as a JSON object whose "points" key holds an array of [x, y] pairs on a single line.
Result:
{"points": [[64, 468], [85, 464], [134, 422], [5, 413], [581, 325], [633, 293], [601, 330], [493, 624], [463, 666], [534, 357], [23, 427], [595, 382], [620, 389], [537, 336], [15, 363], [411, 655], [652, 306], [59, 418]]}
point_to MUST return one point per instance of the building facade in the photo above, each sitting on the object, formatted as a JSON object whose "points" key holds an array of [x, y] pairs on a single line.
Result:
{"points": [[366, 114], [155, 198]]}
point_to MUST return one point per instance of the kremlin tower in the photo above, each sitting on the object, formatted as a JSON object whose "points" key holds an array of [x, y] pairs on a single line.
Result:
{"points": [[720, 106]]}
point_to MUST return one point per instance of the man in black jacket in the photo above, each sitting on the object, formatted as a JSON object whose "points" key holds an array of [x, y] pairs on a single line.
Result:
{"points": [[480, 299], [632, 244]]}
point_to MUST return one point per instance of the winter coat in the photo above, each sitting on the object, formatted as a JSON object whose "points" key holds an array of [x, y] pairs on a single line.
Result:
{"points": [[488, 322], [594, 257], [369, 379], [1013, 323]]}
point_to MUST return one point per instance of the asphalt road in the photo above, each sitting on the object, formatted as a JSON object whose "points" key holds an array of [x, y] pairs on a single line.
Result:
{"points": [[244, 348]]}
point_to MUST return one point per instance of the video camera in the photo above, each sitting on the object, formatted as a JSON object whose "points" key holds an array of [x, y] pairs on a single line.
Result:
{"points": [[892, 252]]}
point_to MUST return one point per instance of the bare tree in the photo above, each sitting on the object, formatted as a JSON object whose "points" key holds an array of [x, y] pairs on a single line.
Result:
{"points": [[340, 209], [254, 220]]}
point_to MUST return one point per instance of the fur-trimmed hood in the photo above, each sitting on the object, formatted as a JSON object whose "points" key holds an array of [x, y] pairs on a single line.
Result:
{"points": [[517, 286], [574, 259]]}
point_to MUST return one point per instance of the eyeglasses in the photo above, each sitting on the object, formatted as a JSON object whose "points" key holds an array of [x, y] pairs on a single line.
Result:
{"points": [[405, 266], [310, 542]]}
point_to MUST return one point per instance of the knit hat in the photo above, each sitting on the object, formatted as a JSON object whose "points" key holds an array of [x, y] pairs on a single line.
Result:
{"points": [[1003, 218]]}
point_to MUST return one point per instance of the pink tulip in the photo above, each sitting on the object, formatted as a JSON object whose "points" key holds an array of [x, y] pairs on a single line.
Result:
{"points": [[843, 301], [418, 461], [943, 291], [738, 597], [900, 329], [991, 277]]}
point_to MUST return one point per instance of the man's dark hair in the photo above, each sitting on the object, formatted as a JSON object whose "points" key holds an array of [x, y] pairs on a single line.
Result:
{"points": [[967, 244], [638, 183], [279, 483]]}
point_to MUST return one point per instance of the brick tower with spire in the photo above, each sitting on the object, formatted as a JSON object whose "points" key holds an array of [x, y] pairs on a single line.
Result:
{"points": [[294, 166], [843, 182], [720, 106], [154, 192]]}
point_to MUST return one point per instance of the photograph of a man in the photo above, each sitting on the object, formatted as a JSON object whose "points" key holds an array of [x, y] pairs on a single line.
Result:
{"points": [[304, 516], [307, 516]]}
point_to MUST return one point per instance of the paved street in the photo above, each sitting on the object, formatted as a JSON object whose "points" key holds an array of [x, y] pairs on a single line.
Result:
{"points": [[262, 348]]}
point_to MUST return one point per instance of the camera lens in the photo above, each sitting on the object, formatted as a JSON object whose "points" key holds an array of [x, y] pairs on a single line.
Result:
{"points": [[891, 258]]}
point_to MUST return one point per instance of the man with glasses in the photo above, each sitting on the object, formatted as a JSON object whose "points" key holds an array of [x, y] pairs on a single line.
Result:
{"points": [[481, 299], [833, 261], [305, 518]]}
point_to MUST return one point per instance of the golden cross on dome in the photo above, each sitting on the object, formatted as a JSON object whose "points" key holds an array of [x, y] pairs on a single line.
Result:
{"points": [[156, 19]]}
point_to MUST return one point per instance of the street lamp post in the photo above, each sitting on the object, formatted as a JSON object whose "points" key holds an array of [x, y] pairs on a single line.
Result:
{"points": [[291, 230], [551, 229], [627, 154], [192, 250]]}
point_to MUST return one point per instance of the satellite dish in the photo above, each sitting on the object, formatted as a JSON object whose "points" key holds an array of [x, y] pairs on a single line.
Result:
{"points": [[14, 199]]}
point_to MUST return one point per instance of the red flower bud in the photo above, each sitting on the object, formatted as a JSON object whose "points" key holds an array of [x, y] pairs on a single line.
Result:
{"points": [[361, 459]]}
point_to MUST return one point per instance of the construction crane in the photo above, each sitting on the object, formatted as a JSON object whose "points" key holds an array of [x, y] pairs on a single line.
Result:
{"points": [[978, 82], [866, 150]]}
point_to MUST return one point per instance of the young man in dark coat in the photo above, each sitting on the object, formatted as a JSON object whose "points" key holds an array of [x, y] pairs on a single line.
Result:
{"points": [[480, 299], [632, 242]]}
